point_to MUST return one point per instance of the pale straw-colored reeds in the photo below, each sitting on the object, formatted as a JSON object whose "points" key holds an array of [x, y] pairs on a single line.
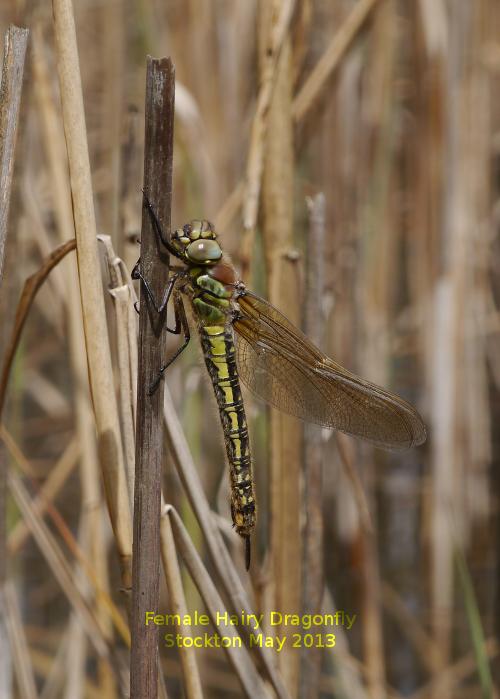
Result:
{"points": [[383, 118]]}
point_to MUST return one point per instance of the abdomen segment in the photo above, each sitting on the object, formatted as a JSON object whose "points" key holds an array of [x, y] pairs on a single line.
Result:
{"points": [[219, 353]]}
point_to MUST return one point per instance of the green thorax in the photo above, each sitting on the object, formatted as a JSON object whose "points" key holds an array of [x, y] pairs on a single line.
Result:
{"points": [[211, 299]]}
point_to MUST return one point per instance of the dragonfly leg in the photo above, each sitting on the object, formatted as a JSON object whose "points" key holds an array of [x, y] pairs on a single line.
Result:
{"points": [[158, 229], [181, 323], [159, 308]]}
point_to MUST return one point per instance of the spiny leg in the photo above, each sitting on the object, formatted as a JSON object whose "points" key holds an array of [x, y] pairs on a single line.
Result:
{"points": [[181, 323], [159, 308], [158, 229]]}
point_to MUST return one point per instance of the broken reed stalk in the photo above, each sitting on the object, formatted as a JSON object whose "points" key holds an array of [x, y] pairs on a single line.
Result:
{"points": [[158, 156], [91, 289]]}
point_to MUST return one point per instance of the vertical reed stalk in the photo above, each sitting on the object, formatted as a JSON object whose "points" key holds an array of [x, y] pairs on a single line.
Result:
{"points": [[55, 148], [15, 43], [285, 434], [158, 156], [91, 289], [312, 554]]}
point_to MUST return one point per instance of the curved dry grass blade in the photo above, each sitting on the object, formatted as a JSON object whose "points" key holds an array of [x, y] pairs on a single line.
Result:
{"points": [[31, 286], [238, 655], [190, 673]]}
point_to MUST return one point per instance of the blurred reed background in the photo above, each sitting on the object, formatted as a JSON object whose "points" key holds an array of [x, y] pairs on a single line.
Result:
{"points": [[350, 159]]}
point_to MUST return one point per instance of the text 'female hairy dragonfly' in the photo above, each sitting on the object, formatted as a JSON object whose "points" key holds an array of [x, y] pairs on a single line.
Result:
{"points": [[272, 358]]}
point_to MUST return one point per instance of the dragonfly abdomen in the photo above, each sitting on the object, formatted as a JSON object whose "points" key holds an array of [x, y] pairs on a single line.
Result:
{"points": [[219, 352]]}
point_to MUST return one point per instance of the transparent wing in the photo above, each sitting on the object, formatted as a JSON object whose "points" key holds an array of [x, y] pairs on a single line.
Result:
{"points": [[278, 363]]}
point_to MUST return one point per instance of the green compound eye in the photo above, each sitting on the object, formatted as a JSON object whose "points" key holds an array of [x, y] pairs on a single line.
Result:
{"points": [[204, 251]]}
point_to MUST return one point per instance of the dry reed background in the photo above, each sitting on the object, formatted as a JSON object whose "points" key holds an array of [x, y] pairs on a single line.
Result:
{"points": [[390, 111]]}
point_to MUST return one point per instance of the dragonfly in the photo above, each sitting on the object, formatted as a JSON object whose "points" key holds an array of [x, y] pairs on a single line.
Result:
{"points": [[245, 339]]}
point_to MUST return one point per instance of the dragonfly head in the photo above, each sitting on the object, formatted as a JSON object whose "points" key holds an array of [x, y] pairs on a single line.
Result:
{"points": [[197, 243]]}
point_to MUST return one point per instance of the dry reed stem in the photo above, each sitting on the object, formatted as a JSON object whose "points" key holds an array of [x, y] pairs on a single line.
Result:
{"points": [[15, 43], [37, 507], [22, 663], [239, 658], [55, 148], [57, 563], [191, 676], [53, 669], [58, 476], [347, 450], [53, 675], [154, 267], [224, 565], [421, 641], [46, 394], [312, 467], [122, 291], [302, 102], [285, 537], [113, 62], [348, 668], [229, 209], [76, 652], [458, 672], [331, 58], [372, 630], [94, 318], [276, 35]]}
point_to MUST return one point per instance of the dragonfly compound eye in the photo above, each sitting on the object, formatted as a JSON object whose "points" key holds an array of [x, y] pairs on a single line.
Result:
{"points": [[204, 251]]}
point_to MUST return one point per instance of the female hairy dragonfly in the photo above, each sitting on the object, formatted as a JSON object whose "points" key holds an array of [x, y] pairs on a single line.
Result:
{"points": [[243, 337]]}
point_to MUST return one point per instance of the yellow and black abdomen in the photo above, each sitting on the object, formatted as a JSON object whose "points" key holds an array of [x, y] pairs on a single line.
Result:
{"points": [[211, 301], [219, 352]]}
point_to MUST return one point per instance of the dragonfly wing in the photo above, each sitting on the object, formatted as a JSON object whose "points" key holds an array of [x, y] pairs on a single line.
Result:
{"points": [[278, 363]]}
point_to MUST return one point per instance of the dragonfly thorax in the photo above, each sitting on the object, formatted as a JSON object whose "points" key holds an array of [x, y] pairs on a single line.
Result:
{"points": [[196, 241]]}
